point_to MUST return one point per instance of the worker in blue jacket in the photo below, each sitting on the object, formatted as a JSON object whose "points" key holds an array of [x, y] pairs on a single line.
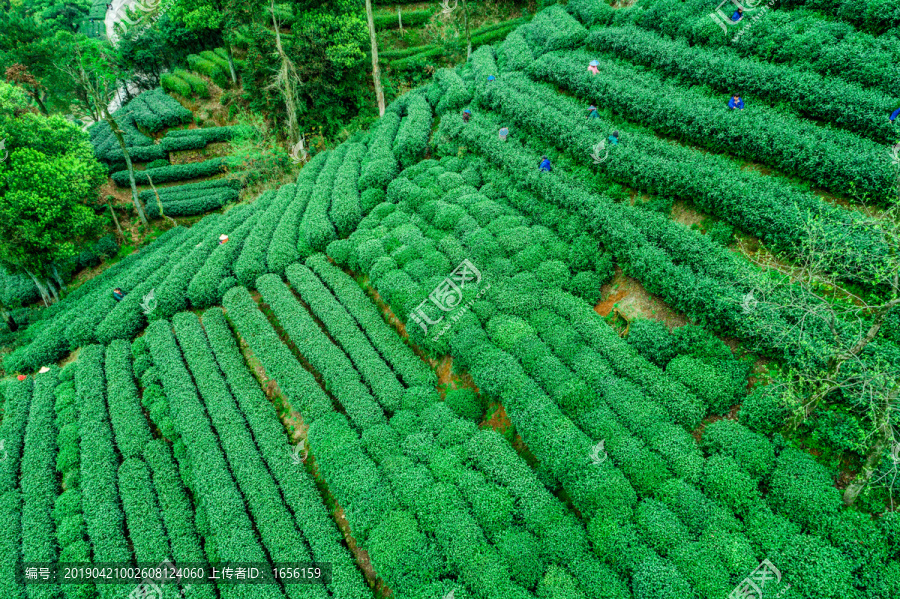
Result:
{"points": [[894, 115], [736, 102], [592, 112], [738, 15], [614, 138], [545, 164]]}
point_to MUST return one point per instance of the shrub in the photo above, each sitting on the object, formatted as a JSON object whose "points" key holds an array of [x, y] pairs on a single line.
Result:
{"points": [[173, 83], [415, 129], [706, 381], [653, 340], [554, 29], [176, 172], [465, 403], [753, 452], [764, 410], [211, 69]]}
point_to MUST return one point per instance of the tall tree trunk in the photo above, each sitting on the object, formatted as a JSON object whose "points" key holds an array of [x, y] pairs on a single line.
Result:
{"points": [[376, 73], [36, 94], [876, 451], [230, 52], [42, 288], [468, 37], [10, 322], [57, 278], [116, 220], [285, 81], [121, 139]]}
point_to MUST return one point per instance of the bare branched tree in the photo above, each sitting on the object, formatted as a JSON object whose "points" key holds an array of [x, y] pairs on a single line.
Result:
{"points": [[286, 80], [376, 72], [93, 72], [833, 332]]}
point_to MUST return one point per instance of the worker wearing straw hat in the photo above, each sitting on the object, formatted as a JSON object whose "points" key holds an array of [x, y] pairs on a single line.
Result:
{"points": [[223, 238]]}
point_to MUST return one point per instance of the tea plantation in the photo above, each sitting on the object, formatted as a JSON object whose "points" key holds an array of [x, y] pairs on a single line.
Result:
{"points": [[410, 366]]}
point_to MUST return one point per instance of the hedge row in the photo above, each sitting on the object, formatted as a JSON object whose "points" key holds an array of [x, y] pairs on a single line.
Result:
{"points": [[345, 211], [838, 160], [428, 54], [875, 16], [252, 261], [172, 293], [155, 110], [200, 204], [17, 290], [287, 245], [39, 484], [10, 542], [379, 167], [455, 93], [128, 422], [83, 326], [846, 105], [787, 37], [412, 370], [344, 330], [316, 229], [766, 207], [298, 488], [298, 385], [12, 430], [188, 190], [440, 506], [415, 129], [235, 539], [271, 517], [145, 524], [102, 509], [411, 18], [213, 70], [67, 510], [554, 29], [177, 513], [194, 139], [176, 172], [341, 378], [515, 53], [206, 288], [128, 316]]}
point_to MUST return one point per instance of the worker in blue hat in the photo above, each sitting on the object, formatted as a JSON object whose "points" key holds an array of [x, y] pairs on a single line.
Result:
{"points": [[503, 133], [491, 78], [592, 68], [592, 112], [467, 114], [894, 115]]}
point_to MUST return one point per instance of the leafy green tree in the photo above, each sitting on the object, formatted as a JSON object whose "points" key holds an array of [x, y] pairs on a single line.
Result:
{"points": [[224, 15], [94, 71], [48, 185]]}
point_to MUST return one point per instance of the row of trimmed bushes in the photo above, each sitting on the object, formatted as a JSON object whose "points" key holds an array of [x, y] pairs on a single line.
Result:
{"points": [[287, 245], [176, 172], [213, 485], [193, 139], [184, 83], [252, 261], [297, 486], [316, 228], [277, 530]]}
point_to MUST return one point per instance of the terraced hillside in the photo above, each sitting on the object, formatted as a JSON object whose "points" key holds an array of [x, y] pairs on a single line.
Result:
{"points": [[398, 365]]}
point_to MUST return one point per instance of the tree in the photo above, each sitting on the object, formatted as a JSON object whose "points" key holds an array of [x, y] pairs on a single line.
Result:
{"points": [[286, 80], [48, 189], [839, 343], [91, 67], [376, 73], [224, 15]]}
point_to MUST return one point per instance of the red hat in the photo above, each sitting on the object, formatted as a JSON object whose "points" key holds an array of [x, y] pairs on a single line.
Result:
{"points": [[21, 377]]}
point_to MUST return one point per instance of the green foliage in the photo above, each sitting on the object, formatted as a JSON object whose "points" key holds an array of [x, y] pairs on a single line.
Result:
{"points": [[465, 403], [345, 211], [298, 385], [339, 374], [653, 340], [753, 452], [128, 423], [415, 129], [103, 513], [192, 139], [554, 29], [765, 410], [214, 486], [213, 70], [344, 330], [716, 390], [827, 98], [176, 172], [173, 83]]}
